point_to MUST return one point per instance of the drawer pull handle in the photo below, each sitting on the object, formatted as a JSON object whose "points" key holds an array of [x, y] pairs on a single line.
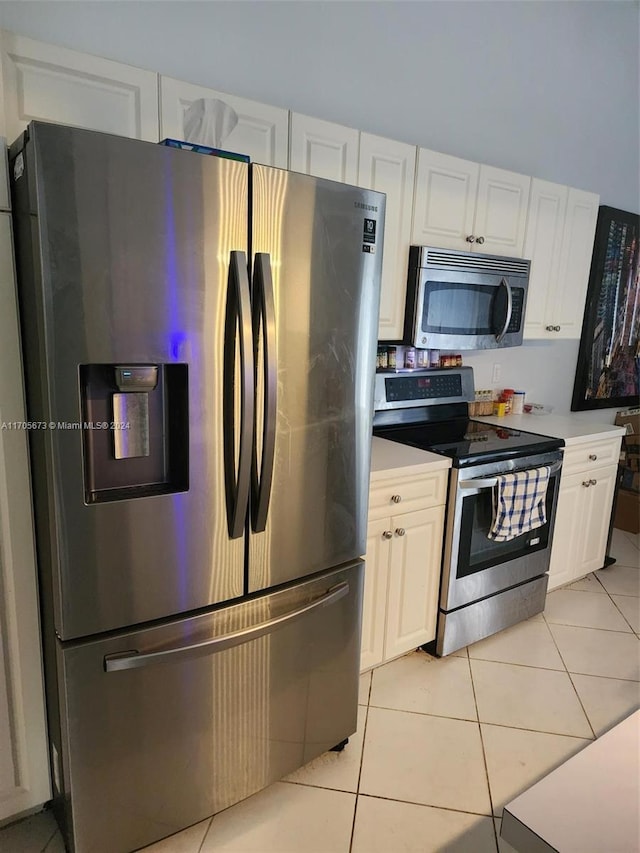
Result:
{"points": [[387, 534], [396, 498], [593, 456], [400, 531]]}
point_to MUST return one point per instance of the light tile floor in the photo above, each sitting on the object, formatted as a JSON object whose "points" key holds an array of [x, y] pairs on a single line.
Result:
{"points": [[442, 745]]}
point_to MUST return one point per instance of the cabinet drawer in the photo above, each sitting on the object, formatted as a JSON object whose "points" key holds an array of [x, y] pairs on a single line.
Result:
{"points": [[592, 454], [409, 493]]}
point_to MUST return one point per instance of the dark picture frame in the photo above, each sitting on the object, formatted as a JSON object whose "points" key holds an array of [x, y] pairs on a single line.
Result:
{"points": [[608, 368]]}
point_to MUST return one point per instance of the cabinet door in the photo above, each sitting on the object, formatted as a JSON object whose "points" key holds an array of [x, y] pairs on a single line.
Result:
{"points": [[24, 766], [445, 200], [414, 579], [582, 525], [389, 167], [50, 83], [374, 605], [542, 245], [501, 212], [575, 262], [323, 149], [262, 131]]}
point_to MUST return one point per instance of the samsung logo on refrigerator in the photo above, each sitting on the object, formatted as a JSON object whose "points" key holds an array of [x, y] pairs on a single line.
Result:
{"points": [[362, 206]]}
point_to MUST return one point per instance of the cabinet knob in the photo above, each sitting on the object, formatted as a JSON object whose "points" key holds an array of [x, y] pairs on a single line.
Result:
{"points": [[387, 534], [471, 239], [586, 483], [549, 328], [396, 498], [480, 240], [400, 531], [593, 456], [593, 482], [556, 328]]}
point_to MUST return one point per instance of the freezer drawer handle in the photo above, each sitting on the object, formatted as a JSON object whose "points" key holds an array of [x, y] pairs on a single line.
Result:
{"points": [[238, 320], [481, 483], [264, 313], [132, 659]]}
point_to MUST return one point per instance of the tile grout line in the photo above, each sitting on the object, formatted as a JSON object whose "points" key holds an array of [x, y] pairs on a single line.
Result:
{"points": [[53, 835], [484, 754], [364, 735], [584, 710], [206, 832], [620, 611], [426, 805]]}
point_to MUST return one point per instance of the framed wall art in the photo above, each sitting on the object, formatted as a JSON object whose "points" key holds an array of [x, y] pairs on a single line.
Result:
{"points": [[608, 369]]}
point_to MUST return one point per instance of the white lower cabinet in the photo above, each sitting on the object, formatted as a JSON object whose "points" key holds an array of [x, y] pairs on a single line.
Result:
{"points": [[402, 571], [584, 511]]}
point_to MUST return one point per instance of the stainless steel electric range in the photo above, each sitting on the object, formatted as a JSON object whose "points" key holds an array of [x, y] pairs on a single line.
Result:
{"points": [[486, 585]]}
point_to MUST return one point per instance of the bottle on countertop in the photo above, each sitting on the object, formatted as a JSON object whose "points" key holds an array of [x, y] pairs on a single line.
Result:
{"points": [[517, 406]]}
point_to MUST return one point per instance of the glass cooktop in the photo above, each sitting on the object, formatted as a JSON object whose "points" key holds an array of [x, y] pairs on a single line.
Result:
{"points": [[468, 442]]}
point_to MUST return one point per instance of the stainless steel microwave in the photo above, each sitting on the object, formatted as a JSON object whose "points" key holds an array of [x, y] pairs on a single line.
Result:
{"points": [[464, 300]]}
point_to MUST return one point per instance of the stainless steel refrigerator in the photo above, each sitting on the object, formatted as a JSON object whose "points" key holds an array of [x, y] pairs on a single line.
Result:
{"points": [[199, 340]]}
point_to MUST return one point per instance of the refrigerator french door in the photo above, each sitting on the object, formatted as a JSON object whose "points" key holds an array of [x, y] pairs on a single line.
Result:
{"points": [[199, 341]]}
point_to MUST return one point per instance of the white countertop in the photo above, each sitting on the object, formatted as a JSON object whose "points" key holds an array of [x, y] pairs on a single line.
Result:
{"points": [[588, 804], [389, 455], [572, 430]]}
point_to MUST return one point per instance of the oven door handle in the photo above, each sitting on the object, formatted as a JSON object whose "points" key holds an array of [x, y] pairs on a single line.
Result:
{"points": [[481, 483]]}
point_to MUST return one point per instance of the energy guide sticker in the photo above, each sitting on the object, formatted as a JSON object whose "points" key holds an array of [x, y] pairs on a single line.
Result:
{"points": [[369, 236]]}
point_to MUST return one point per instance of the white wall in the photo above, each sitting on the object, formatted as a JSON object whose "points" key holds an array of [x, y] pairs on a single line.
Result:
{"points": [[550, 89]]}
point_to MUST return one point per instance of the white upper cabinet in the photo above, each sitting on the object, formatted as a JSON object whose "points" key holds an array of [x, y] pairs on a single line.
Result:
{"points": [[323, 149], [262, 131], [501, 212], [463, 205], [389, 167], [445, 200], [575, 261], [559, 242], [50, 83]]}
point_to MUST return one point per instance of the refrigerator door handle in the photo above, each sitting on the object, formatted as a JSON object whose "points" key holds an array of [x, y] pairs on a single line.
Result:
{"points": [[238, 328], [264, 313], [132, 659]]}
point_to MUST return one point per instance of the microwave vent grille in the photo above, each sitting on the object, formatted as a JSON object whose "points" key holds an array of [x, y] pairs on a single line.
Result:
{"points": [[459, 260]]}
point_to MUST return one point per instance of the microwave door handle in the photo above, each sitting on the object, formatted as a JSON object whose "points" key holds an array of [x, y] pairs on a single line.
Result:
{"points": [[504, 283]]}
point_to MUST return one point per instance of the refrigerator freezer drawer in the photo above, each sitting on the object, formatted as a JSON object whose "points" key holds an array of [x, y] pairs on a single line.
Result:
{"points": [[163, 727]]}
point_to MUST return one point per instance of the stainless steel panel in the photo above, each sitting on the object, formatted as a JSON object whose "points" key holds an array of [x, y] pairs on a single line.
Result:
{"points": [[456, 592], [476, 621], [326, 293], [132, 249], [131, 409], [152, 750]]}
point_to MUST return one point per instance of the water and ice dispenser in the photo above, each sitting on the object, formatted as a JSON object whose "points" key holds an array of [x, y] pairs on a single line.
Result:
{"points": [[136, 434]]}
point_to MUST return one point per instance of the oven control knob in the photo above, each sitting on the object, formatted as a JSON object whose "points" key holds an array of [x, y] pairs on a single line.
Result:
{"points": [[400, 531], [480, 240], [396, 498], [387, 534], [471, 239]]}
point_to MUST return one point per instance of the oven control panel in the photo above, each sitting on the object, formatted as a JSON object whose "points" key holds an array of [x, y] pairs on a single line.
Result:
{"points": [[423, 388]]}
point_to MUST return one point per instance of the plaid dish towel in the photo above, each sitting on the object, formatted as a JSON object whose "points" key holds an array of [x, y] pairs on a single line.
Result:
{"points": [[519, 503]]}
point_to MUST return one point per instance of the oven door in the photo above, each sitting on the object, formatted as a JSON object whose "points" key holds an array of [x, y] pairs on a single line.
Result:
{"points": [[468, 310], [475, 566]]}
